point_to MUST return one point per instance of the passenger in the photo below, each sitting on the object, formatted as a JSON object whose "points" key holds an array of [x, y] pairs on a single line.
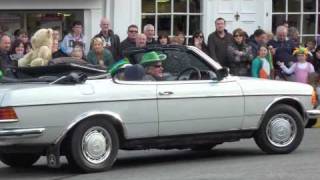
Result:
{"points": [[152, 63], [134, 73], [116, 70]]}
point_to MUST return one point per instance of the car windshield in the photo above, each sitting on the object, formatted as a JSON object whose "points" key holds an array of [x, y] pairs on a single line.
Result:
{"points": [[180, 64]]}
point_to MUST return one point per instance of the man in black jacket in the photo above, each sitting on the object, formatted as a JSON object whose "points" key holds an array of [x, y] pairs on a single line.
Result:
{"points": [[130, 41], [110, 40], [148, 30], [218, 42], [5, 61]]}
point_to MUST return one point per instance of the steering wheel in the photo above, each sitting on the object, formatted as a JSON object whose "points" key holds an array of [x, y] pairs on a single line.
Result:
{"points": [[192, 69]]}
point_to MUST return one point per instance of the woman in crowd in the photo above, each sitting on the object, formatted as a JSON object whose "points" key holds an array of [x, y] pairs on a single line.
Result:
{"points": [[99, 55], [181, 38], [293, 35], [163, 39], [17, 51], [239, 54], [198, 41]]}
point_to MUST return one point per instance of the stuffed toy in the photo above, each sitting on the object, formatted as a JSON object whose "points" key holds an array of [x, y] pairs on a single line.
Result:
{"points": [[41, 52]]}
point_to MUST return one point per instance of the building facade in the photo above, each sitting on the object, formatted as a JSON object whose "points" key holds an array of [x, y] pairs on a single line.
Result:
{"points": [[168, 16]]}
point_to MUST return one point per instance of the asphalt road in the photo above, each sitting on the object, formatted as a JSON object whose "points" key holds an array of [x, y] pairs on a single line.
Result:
{"points": [[239, 160]]}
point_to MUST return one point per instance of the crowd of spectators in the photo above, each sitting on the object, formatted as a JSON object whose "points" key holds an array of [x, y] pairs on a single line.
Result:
{"points": [[262, 54]]}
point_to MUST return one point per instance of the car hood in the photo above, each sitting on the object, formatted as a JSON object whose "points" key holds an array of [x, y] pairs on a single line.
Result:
{"points": [[257, 86]]}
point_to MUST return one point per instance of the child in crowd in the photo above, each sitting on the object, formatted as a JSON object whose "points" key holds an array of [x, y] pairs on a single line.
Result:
{"points": [[261, 66], [302, 68], [77, 52], [17, 51], [311, 46]]}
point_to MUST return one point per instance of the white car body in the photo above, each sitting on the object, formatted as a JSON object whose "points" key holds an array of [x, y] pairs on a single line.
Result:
{"points": [[143, 110]]}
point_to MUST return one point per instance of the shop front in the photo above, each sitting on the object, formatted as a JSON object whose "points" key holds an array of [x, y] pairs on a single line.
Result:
{"points": [[30, 15]]}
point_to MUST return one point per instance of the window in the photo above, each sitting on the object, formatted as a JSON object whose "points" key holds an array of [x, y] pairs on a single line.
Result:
{"points": [[172, 16], [179, 61], [31, 21], [302, 14]]}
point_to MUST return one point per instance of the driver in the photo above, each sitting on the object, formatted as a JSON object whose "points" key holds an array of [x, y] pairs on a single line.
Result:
{"points": [[152, 63]]}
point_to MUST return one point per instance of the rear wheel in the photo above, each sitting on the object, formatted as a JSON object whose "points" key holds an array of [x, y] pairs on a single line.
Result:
{"points": [[281, 130], [93, 146], [19, 160]]}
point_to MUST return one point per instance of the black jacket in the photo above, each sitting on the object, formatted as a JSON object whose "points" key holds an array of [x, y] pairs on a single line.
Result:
{"points": [[114, 45], [217, 47], [6, 65], [59, 54], [125, 44]]}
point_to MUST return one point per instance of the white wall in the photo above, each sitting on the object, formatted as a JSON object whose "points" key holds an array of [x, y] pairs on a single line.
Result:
{"points": [[125, 13], [211, 9]]}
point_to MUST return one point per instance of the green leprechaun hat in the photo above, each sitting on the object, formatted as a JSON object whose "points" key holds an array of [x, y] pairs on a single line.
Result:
{"points": [[118, 65], [152, 57]]}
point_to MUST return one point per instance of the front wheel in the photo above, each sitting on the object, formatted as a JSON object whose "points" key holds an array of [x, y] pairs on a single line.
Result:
{"points": [[93, 146], [19, 160], [281, 130]]}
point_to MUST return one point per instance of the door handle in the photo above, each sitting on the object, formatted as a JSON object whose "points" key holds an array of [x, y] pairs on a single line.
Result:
{"points": [[165, 93]]}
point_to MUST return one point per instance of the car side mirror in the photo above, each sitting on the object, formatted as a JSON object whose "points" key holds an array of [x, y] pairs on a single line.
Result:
{"points": [[222, 73]]}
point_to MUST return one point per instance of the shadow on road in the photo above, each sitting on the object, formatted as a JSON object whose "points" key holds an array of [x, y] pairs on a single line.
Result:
{"points": [[136, 159], [185, 156]]}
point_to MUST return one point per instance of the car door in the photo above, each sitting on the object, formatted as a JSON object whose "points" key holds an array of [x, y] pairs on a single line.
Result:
{"points": [[136, 103], [198, 106]]}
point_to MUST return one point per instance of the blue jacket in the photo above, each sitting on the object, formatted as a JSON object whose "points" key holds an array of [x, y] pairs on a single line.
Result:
{"points": [[68, 42]]}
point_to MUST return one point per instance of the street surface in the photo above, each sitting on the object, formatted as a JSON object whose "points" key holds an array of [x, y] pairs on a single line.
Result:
{"points": [[241, 160]]}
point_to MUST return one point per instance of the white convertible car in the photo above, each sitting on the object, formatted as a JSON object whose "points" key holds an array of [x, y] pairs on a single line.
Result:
{"points": [[84, 114]]}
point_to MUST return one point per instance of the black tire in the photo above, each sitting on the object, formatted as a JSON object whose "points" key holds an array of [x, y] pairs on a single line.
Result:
{"points": [[82, 161], [311, 123], [19, 160], [280, 114], [202, 147]]}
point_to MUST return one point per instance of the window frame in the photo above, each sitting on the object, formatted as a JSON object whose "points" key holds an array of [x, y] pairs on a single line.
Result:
{"points": [[301, 13], [172, 13]]}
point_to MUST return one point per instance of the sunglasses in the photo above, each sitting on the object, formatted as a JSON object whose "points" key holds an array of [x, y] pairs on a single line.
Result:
{"points": [[133, 31]]}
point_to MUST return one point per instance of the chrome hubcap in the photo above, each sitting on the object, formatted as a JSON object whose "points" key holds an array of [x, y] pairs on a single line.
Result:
{"points": [[281, 130], [96, 145]]}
